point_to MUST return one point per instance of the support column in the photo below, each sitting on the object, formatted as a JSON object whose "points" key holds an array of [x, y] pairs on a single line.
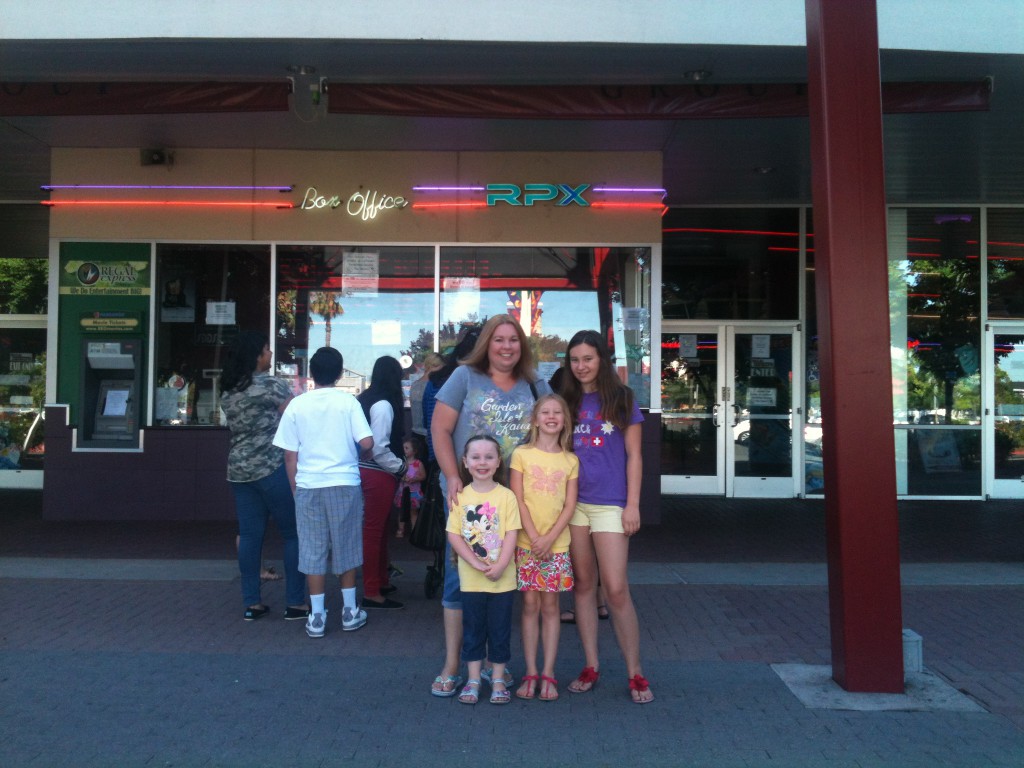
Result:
{"points": [[853, 329]]}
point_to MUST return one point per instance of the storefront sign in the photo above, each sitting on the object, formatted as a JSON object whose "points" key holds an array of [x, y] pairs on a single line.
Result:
{"points": [[106, 322], [529, 194], [106, 278], [365, 205]]}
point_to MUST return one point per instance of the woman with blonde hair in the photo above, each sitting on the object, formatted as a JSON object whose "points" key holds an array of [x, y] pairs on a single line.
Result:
{"points": [[492, 392]]}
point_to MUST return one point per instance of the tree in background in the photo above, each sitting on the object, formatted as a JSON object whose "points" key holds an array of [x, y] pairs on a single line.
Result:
{"points": [[23, 286], [325, 304]]}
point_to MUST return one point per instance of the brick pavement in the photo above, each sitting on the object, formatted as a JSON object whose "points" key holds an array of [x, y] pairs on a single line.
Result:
{"points": [[119, 672]]}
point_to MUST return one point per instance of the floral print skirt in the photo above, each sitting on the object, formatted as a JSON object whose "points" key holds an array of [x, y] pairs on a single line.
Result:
{"points": [[552, 575]]}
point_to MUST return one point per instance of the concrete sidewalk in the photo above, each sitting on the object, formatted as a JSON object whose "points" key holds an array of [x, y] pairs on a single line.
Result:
{"points": [[140, 657]]}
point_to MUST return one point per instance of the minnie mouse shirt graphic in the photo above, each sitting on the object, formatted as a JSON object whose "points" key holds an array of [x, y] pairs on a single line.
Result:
{"points": [[482, 520], [479, 530]]}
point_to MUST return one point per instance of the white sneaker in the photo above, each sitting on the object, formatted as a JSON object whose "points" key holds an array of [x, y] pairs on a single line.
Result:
{"points": [[352, 619], [315, 624]]}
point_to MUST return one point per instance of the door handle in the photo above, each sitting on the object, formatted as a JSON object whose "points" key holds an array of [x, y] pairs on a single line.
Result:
{"points": [[714, 415]]}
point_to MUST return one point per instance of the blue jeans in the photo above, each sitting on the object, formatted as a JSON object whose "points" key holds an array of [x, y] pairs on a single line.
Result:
{"points": [[255, 502], [487, 626], [451, 596]]}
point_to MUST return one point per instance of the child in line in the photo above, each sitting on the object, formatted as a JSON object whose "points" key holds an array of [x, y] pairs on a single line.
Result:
{"points": [[321, 432], [415, 473], [482, 528], [544, 480]]}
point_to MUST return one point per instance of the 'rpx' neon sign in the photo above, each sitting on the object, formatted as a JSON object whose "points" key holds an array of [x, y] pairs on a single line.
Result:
{"points": [[536, 193]]}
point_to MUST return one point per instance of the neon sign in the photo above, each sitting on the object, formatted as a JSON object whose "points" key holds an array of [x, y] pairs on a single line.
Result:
{"points": [[365, 205], [561, 195], [534, 193]]}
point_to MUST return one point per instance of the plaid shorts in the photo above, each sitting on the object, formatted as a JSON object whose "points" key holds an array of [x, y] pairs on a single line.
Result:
{"points": [[329, 519]]}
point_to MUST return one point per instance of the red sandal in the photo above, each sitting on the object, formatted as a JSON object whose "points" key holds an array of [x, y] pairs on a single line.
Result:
{"points": [[530, 681], [552, 688], [587, 677], [639, 684]]}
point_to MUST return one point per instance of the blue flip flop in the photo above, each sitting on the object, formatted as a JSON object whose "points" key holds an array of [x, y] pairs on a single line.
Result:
{"points": [[444, 681]]}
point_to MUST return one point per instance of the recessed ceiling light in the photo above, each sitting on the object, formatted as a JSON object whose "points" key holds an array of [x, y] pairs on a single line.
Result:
{"points": [[764, 170]]}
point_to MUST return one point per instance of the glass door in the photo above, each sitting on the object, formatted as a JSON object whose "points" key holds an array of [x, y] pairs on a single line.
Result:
{"points": [[1004, 407], [759, 452], [22, 392], [729, 410], [692, 441]]}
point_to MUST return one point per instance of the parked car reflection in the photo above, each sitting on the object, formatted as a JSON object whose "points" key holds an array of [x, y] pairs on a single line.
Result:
{"points": [[741, 432]]}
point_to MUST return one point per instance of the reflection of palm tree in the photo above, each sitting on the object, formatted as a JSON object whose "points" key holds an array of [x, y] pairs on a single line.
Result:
{"points": [[326, 305]]}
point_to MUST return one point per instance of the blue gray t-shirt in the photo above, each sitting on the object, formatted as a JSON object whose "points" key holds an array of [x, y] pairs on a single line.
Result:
{"points": [[485, 408]]}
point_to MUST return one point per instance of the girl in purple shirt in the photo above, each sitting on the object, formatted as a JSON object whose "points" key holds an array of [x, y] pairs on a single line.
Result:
{"points": [[606, 439]]}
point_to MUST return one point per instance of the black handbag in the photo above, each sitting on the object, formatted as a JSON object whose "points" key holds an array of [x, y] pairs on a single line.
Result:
{"points": [[429, 531]]}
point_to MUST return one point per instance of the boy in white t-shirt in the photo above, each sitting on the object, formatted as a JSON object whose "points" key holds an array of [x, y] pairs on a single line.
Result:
{"points": [[321, 432]]}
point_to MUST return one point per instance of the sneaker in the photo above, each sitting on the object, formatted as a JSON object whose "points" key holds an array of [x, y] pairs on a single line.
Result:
{"points": [[292, 613], [394, 571], [352, 619], [315, 624], [386, 604]]}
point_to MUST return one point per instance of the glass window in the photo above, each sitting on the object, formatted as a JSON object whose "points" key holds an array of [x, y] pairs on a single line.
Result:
{"points": [[555, 292], [731, 264], [935, 289], [205, 294], [935, 306], [366, 301], [1006, 263], [23, 286], [22, 392], [814, 460]]}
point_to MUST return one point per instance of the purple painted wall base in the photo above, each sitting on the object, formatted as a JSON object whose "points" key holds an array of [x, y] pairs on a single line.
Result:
{"points": [[179, 475]]}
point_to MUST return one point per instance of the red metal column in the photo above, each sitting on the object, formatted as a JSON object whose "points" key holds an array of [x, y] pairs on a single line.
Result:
{"points": [[853, 330]]}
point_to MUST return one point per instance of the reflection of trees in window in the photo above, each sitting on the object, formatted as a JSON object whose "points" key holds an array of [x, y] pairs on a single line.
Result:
{"points": [[23, 286], [325, 304], [943, 313]]}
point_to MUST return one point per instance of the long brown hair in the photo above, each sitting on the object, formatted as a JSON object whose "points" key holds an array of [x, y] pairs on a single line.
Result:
{"points": [[479, 360], [615, 397]]}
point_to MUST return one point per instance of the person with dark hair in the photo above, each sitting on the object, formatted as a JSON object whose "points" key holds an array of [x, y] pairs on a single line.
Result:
{"points": [[431, 362], [382, 404], [174, 293], [253, 402], [491, 392], [321, 432], [438, 377], [607, 442]]}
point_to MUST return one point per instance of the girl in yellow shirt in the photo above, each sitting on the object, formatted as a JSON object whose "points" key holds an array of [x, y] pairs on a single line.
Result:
{"points": [[544, 480]]}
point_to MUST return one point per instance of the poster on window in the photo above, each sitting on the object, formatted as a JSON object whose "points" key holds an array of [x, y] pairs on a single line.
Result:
{"points": [[761, 346], [360, 274], [179, 300], [938, 450], [461, 300]]}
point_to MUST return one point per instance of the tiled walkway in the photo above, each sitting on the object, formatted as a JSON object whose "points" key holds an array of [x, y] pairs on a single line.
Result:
{"points": [[124, 645]]}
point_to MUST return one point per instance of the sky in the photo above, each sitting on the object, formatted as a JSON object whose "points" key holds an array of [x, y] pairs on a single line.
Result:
{"points": [[385, 324]]}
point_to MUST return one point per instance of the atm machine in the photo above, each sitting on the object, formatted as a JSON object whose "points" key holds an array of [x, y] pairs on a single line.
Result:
{"points": [[111, 385]]}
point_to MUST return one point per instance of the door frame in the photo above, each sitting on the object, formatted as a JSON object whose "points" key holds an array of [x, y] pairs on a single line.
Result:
{"points": [[725, 482], [25, 478], [993, 487]]}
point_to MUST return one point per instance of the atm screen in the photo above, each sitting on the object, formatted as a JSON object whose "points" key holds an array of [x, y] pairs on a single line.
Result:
{"points": [[116, 402]]}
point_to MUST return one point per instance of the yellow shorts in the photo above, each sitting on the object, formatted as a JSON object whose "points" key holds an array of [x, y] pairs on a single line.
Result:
{"points": [[599, 518]]}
